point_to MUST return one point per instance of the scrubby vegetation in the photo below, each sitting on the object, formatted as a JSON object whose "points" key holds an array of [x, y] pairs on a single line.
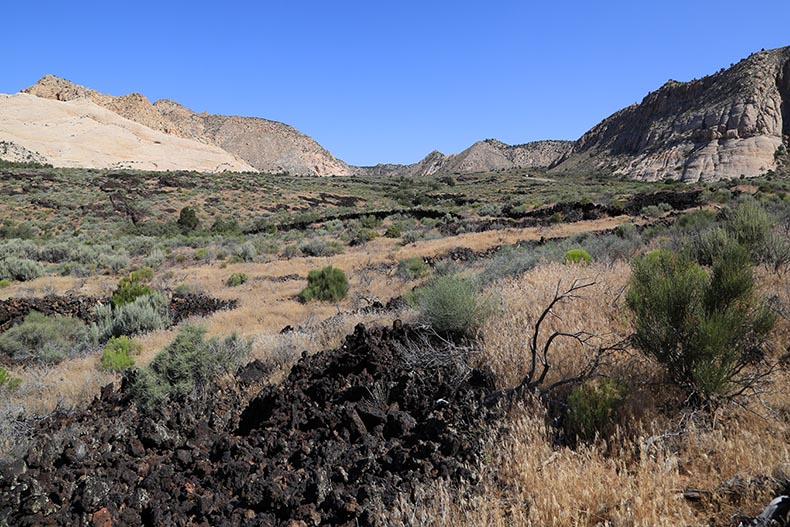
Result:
{"points": [[663, 377], [453, 305], [145, 313], [707, 329], [46, 339], [327, 285], [118, 354], [132, 287], [576, 256], [185, 365], [8, 381], [237, 279]]}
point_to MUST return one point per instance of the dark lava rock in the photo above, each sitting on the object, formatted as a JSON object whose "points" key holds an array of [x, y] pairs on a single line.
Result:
{"points": [[336, 443]]}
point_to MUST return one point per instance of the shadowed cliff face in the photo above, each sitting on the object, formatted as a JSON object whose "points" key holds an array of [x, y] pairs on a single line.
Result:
{"points": [[724, 125], [783, 84]]}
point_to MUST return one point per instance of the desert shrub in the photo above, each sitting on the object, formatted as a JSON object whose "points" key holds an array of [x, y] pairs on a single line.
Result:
{"points": [[705, 328], [115, 263], [490, 209], [626, 231], [510, 262], [576, 256], [143, 314], [46, 339], [328, 285], [188, 220], [318, 247], [118, 354], [370, 221], [750, 225], [411, 237], [8, 381], [722, 195], [247, 252], [412, 268], [132, 287], [4, 283], [393, 231], [11, 229], [20, 269], [453, 305], [695, 220], [225, 226], [362, 236], [155, 258], [655, 211], [236, 279], [187, 364], [592, 408]]}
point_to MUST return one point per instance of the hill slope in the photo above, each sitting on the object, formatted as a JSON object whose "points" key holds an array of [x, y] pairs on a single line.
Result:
{"points": [[80, 133], [266, 145], [721, 126], [489, 155]]}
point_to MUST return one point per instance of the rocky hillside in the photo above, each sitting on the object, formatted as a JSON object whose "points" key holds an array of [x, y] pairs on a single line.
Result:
{"points": [[489, 155], [81, 133], [266, 145], [721, 126]]}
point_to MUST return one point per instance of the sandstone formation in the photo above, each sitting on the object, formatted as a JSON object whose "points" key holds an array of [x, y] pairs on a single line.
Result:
{"points": [[724, 125], [80, 133], [489, 155], [266, 145]]}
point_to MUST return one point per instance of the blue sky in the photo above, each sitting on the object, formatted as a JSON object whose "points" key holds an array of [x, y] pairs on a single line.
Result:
{"points": [[389, 81]]}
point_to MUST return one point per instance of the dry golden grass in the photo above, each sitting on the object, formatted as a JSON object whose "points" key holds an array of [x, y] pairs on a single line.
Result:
{"points": [[636, 477]]}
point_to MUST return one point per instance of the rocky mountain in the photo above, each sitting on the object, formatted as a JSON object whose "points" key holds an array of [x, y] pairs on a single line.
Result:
{"points": [[483, 156], [724, 125], [80, 133], [268, 146]]}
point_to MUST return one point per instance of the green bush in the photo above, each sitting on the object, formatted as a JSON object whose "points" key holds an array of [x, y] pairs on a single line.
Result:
{"points": [[132, 287], [188, 220], [20, 269], [328, 285], [393, 231], [705, 328], [4, 283], [452, 305], [145, 313], [187, 364], [8, 381], [592, 408], [118, 354], [412, 268], [750, 225], [318, 247], [362, 236], [576, 256], [236, 279], [46, 339]]}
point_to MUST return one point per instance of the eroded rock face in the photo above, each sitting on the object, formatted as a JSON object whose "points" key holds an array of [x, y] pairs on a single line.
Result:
{"points": [[334, 444], [722, 126]]}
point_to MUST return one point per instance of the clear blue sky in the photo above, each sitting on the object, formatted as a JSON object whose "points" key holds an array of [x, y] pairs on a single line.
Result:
{"points": [[389, 81]]}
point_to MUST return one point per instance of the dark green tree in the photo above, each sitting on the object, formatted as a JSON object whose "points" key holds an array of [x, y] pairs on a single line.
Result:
{"points": [[188, 220]]}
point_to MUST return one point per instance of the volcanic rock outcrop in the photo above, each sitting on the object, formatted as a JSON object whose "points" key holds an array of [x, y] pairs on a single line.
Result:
{"points": [[336, 443]]}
